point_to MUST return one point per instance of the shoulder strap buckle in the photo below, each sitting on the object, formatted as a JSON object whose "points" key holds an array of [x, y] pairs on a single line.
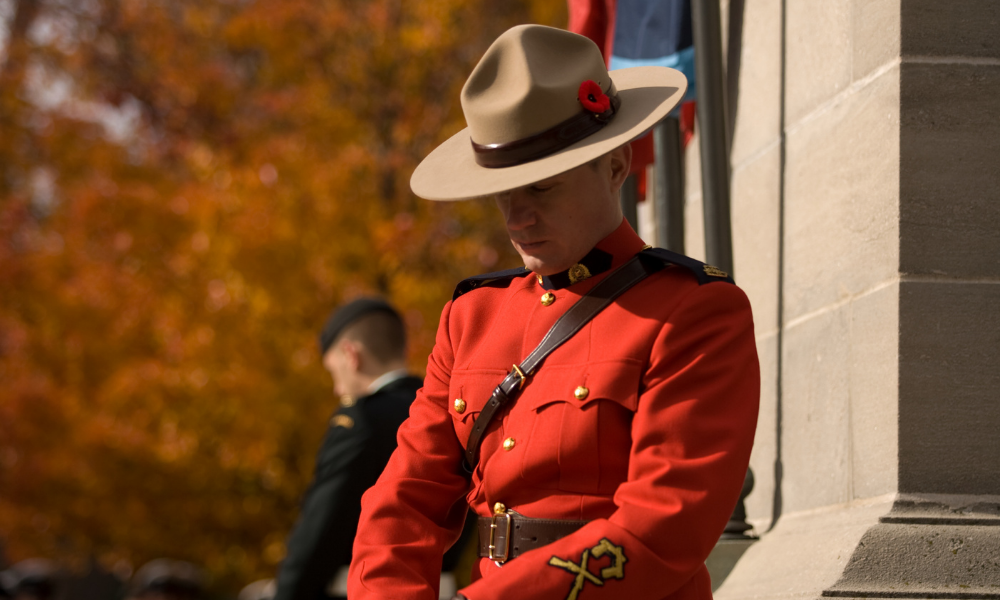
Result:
{"points": [[520, 373]]}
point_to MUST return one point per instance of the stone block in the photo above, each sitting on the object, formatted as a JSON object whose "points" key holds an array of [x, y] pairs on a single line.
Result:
{"points": [[950, 169], [874, 374], [756, 189], [949, 346], [758, 112], [875, 37], [803, 555], [927, 549], [964, 28], [815, 428], [817, 55], [842, 199], [760, 503]]}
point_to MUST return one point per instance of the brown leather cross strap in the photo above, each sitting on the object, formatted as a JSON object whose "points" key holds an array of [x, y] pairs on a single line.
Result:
{"points": [[586, 308]]}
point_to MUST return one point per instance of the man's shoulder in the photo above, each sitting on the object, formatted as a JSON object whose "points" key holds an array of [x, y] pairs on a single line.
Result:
{"points": [[496, 279], [403, 388], [391, 402], [703, 272]]}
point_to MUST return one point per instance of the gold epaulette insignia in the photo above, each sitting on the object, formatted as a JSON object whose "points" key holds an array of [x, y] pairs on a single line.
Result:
{"points": [[715, 271], [342, 421]]}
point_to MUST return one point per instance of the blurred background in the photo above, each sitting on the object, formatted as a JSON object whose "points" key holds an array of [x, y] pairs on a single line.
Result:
{"points": [[187, 188]]}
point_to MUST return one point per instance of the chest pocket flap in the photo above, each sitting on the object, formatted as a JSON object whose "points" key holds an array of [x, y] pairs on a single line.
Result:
{"points": [[580, 385], [470, 391]]}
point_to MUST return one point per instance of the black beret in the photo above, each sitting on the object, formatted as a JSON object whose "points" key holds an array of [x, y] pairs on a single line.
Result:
{"points": [[347, 314]]}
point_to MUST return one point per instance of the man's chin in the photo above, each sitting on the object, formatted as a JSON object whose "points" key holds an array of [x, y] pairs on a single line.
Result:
{"points": [[541, 266], [533, 264]]}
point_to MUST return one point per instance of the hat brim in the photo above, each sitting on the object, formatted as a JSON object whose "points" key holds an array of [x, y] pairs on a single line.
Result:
{"points": [[450, 172]]}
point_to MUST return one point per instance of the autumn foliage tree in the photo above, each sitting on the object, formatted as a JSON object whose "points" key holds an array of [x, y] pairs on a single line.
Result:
{"points": [[187, 187]]}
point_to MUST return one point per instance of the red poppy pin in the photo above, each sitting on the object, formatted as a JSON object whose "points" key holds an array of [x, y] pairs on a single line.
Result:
{"points": [[593, 98]]}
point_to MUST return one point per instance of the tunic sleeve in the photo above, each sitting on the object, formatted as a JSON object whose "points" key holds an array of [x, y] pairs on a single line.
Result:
{"points": [[417, 508], [691, 438]]}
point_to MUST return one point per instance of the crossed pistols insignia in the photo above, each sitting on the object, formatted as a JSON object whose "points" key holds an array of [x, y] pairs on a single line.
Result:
{"points": [[615, 571]]}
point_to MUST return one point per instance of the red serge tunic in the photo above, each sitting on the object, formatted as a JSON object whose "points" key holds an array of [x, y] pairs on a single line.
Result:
{"points": [[653, 454]]}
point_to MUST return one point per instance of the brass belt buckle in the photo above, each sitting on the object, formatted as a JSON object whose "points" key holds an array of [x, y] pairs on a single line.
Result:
{"points": [[500, 537]]}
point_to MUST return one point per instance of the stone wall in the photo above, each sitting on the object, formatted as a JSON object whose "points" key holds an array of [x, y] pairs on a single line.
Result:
{"points": [[950, 248], [866, 224]]}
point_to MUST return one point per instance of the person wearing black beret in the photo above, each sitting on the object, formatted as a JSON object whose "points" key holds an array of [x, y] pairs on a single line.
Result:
{"points": [[363, 347]]}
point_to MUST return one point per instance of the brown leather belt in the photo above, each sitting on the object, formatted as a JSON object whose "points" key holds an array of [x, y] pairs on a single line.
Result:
{"points": [[506, 535]]}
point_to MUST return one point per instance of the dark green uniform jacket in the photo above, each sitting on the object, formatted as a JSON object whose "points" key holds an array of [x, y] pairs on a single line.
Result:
{"points": [[355, 450]]}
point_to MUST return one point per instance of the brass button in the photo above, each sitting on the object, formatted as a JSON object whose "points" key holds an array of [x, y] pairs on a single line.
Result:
{"points": [[459, 405], [347, 401], [539, 278], [508, 444], [499, 508], [581, 392], [548, 298]]}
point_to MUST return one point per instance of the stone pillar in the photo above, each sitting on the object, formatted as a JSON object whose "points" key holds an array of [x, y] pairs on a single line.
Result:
{"points": [[866, 220]]}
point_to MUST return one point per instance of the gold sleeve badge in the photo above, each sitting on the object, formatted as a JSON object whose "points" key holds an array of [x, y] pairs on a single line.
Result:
{"points": [[583, 575]]}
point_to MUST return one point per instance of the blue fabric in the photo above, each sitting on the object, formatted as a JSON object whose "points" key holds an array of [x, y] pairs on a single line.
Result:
{"points": [[683, 61], [655, 33], [652, 28]]}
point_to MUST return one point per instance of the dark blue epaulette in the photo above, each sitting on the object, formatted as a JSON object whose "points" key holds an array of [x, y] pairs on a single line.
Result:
{"points": [[478, 281], [704, 273]]}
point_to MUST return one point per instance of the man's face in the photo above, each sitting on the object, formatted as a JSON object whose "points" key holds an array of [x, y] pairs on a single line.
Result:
{"points": [[336, 363], [555, 222]]}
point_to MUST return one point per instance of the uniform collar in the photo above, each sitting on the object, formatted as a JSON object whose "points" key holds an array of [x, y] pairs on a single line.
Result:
{"points": [[385, 379], [621, 245]]}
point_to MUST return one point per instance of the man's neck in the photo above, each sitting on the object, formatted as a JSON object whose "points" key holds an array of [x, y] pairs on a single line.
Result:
{"points": [[385, 379]]}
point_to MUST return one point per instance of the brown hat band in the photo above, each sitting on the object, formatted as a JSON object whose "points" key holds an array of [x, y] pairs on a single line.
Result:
{"points": [[550, 141]]}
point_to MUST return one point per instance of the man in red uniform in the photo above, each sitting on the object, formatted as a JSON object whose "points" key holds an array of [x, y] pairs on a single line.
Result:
{"points": [[614, 470]]}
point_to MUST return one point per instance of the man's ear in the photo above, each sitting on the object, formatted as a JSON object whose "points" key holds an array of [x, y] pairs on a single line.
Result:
{"points": [[621, 162], [352, 352]]}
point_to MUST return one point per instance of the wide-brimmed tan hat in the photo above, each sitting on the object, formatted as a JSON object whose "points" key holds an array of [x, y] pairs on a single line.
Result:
{"points": [[539, 103]]}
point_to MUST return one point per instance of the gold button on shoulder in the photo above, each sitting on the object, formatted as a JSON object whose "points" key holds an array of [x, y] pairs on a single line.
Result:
{"points": [[581, 392], [347, 401], [548, 298], [499, 508], [508, 444], [539, 278], [459, 405]]}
